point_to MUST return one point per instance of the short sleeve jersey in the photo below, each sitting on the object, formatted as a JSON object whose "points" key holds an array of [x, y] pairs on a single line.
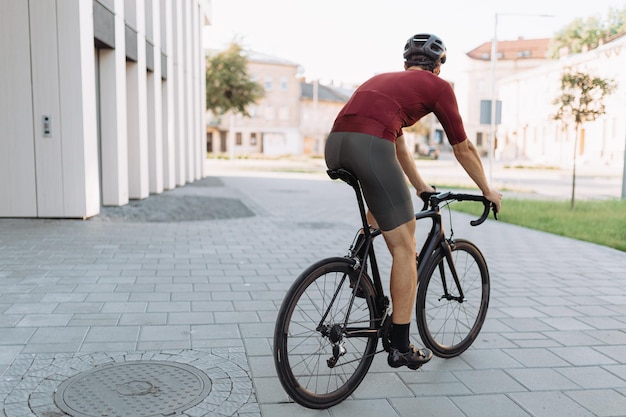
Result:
{"points": [[387, 102]]}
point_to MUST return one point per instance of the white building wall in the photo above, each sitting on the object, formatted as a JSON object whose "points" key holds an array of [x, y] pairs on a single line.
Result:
{"points": [[113, 116], [111, 124], [155, 103], [528, 129], [18, 192]]}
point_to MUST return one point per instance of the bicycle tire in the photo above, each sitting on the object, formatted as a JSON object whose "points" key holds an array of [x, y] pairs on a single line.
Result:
{"points": [[301, 350], [447, 326]]}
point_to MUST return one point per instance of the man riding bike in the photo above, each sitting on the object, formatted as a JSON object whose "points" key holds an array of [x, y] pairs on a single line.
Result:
{"points": [[367, 139]]}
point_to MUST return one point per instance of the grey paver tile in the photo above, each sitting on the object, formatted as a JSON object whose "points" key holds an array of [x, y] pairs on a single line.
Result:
{"points": [[593, 377], [44, 320], [582, 356], [164, 333], [490, 359], [572, 338], [549, 404], [618, 370], [600, 402], [69, 335], [202, 317], [617, 353], [488, 406], [31, 308], [291, 409], [542, 379], [426, 407], [112, 334], [536, 357], [566, 323], [124, 307], [610, 337], [215, 331], [364, 408], [488, 381], [381, 385]]}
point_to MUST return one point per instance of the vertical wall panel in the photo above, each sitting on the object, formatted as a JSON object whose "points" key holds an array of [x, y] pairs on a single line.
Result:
{"points": [[113, 120], [188, 88], [137, 104], [167, 89], [179, 91], [77, 92], [46, 95], [155, 108], [17, 161]]}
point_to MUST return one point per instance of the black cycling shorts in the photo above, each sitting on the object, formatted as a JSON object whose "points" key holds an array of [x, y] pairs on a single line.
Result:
{"points": [[373, 160]]}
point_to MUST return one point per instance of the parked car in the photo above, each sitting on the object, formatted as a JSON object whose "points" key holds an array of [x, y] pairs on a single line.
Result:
{"points": [[427, 151]]}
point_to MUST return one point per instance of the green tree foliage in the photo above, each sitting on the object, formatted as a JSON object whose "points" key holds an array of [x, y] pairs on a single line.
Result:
{"points": [[581, 100], [228, 85], [586, 34]]}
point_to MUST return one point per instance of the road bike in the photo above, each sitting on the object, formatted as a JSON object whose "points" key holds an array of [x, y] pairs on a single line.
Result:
{"points": [[331, 318]]}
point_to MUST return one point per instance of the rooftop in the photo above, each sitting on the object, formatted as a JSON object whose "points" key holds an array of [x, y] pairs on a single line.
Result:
{"points": [[512, 50]]}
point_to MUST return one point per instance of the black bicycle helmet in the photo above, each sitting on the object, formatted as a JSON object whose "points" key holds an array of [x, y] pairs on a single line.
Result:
{"points": [[425, 44]]}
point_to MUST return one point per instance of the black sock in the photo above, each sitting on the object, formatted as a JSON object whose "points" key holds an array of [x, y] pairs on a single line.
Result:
{"points": [[400, 336]]}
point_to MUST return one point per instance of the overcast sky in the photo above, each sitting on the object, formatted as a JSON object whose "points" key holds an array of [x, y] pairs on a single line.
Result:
{"points": [[351, 40]]}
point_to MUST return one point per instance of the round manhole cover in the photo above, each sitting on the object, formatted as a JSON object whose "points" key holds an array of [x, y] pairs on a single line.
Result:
{"points": [[136, 388]]}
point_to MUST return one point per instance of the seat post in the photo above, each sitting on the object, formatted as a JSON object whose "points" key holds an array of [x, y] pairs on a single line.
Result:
{"points": [[350, 179]]}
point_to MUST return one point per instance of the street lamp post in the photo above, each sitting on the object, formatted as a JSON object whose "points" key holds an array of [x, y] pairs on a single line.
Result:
{"points": [[492, 120]]}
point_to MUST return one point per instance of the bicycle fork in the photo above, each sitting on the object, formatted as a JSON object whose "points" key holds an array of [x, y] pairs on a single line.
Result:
{"points": [[446, 246]]}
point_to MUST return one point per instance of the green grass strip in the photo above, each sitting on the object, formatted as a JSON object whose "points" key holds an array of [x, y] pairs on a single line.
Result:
{"points": [[602, 222]]}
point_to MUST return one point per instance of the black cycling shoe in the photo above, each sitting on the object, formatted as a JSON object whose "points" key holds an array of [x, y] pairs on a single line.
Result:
{"points": [[412, 359]]}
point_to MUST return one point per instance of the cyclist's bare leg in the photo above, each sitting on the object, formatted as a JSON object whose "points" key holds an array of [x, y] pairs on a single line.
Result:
{"points": [[401, 244]]}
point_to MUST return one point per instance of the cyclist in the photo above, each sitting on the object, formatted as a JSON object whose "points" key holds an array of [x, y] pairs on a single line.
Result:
{"points": [[367, 140]]}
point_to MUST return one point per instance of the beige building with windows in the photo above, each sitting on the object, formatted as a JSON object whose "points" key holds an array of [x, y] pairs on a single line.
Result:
{"points": [[102, 101], [273, 125], [319, 106]]}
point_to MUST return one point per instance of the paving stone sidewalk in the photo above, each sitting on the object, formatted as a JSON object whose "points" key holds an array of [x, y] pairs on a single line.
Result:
{"points": [[200, 271]]}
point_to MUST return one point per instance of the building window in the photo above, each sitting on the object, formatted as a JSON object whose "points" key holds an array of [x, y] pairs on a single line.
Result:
{"points": [[284, 84], [269, 113], [252, 139], [238, 139], [268, 84], [209, 141], [523, 54]]}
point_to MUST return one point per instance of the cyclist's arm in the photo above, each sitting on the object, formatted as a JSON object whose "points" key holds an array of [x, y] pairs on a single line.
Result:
{"points": [[408, 166], [465, 152]]}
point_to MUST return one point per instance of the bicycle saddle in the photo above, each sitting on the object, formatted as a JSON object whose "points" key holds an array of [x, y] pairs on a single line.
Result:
{"points": [[344, 175]]}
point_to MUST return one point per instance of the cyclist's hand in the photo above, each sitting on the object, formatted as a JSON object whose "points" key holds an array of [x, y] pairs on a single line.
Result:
{"points": [[495, 197], [425, 193]]}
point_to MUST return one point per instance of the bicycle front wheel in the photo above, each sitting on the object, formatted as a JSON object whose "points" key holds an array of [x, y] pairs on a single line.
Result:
{"points": [[447, 322], [323, 347]]}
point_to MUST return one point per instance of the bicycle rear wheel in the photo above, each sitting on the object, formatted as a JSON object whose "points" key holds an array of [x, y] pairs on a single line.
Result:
{"points": [[448, 324], [319, 357]]}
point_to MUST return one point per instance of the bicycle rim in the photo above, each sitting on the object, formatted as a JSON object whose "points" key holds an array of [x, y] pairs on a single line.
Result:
{"points": [[302, 341], [448, 326]]}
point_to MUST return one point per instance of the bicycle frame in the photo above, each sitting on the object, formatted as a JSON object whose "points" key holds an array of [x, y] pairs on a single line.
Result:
{"points": [[436, 240]]}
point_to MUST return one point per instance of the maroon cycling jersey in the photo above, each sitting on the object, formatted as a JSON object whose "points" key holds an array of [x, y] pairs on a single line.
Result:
{"points": [[387, 102]]}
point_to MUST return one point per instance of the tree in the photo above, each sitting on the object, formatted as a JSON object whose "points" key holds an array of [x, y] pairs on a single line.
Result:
{"points": [[585, 34], [228, 85], [581, 100]]}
